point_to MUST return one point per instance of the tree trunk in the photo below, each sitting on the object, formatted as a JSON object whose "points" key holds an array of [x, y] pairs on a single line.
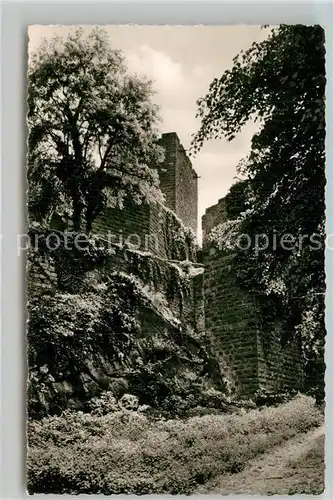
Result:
{"points": [[77, 215]]}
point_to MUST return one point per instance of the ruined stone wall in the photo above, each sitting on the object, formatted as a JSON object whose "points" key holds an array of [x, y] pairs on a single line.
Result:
{"points": [[231, 321], [213, 216], [170, 314], [138, 225], [145, 224], [279, 367], [157, 327], [158, 275], [178, 181], [215, 307], [255, 359], [186, 191], [187, 304], [167, 171], [149, 228]]}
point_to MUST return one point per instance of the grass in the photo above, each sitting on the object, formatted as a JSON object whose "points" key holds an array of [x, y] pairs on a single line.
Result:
{"points": [[125, 452], [309, 470]]}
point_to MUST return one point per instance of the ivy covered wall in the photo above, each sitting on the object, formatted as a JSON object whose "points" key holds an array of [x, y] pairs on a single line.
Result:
{"points": [[149, 228], [114, 318], [133, 311]]}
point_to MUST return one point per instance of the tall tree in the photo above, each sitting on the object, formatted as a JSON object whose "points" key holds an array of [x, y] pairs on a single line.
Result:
{"points": [[280, 83], [93, 136]]}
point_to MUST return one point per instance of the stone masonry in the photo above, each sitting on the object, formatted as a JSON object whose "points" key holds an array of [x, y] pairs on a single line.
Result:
{"points": [[141, 225], [214, 310], [230, 315], [255, 359], [178, 181], [213, 216]]}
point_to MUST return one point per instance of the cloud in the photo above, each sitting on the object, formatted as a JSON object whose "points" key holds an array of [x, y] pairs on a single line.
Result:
{"points": [[180, 120], [178, 86], [177, 83], [168, 75]]}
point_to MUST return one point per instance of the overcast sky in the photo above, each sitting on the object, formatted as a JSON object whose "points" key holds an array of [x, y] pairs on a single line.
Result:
{"points": [[182, 61]]}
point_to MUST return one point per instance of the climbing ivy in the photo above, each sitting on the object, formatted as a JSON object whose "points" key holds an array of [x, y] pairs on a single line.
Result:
{"points": [[180, 241]]}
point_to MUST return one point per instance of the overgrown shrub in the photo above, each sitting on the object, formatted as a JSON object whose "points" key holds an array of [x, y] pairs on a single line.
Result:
{"points": [[67, 332], [125, 452], [82, 344], [264, 398]]}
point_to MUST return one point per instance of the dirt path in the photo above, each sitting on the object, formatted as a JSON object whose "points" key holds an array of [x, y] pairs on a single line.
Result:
{"points": [[296, 466]]}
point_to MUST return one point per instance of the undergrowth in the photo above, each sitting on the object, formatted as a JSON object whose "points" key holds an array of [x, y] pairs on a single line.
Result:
{"points": [[126, 452]]}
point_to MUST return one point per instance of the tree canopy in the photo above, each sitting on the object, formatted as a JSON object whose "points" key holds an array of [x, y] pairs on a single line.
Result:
{"points": [[93, 137], [280, 83]]}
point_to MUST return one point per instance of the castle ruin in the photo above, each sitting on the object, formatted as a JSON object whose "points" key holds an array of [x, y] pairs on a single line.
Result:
{"points": [[231, 314], [212, 308]]}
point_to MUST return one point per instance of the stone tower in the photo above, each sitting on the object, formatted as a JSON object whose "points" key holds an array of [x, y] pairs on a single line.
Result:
{"points": [[143, 223], [178, 181]]}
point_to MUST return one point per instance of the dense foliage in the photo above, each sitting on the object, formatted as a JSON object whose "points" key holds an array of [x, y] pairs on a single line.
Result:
{"points": [[93, 139], [125, 391], [124, 451], [180, 241], [94, 327], [67, 333], [280, 83]]}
